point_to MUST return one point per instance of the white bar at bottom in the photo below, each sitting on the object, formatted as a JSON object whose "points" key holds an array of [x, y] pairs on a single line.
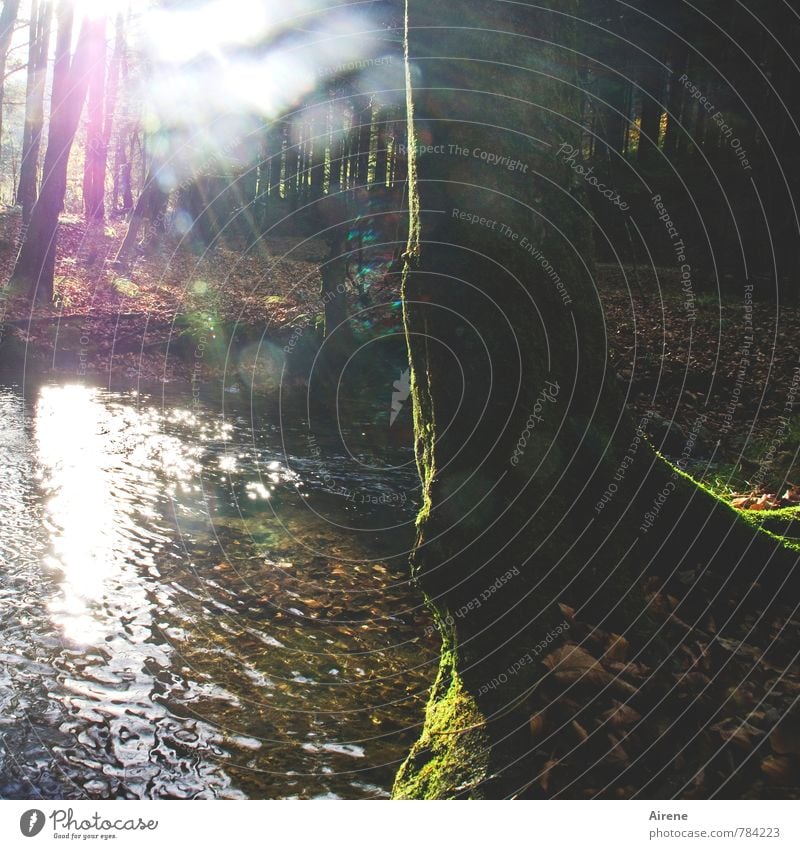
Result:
{"points": [[401, 825]]}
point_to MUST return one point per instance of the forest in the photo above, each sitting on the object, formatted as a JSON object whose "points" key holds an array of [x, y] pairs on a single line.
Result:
{"points": [[398, 399]]}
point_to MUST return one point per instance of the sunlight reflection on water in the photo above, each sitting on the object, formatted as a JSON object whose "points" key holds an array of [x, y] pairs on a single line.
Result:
{"points": [[166, 636], [96, 501]]}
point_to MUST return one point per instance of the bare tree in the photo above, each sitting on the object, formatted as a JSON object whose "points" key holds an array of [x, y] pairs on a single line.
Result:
{"points": [[38, 47], [8, 18], [150, 205], [35, 265], [121, 190], [94, 165]]}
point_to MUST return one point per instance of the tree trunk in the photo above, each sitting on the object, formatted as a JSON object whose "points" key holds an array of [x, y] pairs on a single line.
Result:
{"points": [[38, 48], [126, 177], [338, 342], [381, 154], [335, 221], [149, 206], [675, 139], [291, 178], [112, 92], [35, 265], [319, 141], [94, 166], [363, 136], [8, 18], [652, 110], [121, 181], [338, 153], [332, 292], [521, 429]]}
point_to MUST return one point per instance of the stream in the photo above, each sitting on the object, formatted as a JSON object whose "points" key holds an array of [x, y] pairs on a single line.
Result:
{"points": [[202, 599]]}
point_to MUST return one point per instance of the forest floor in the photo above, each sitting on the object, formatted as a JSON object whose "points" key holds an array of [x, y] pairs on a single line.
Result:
{"points": [[726, 371]]}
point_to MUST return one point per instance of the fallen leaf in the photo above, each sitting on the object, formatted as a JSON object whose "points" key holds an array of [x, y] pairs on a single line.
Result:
{"points": [[616, 754], [621, 716], [582, 733], [618, 648], [785, 739], [739, 733], [545, 775], [571, 664], [778, 769], [569, 612], [537, 725]]}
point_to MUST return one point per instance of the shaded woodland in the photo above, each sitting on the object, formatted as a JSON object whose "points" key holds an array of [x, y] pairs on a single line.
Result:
{"points": [[548, 257]]}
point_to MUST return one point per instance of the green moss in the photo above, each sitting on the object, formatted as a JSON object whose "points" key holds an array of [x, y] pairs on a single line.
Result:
{"points": [[451, 758], [415, 229], [125, 286], [783, 524]]}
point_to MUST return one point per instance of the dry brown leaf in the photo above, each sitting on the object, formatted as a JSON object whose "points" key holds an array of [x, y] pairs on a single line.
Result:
{"points": [[792, 493], [618, 648], [616, 754], [582, 733], [569, 612], [778, 769], [570, 664], [741, 734], [537, 725], [659, 604], [621, 716], [546, 774], [785, 739]]}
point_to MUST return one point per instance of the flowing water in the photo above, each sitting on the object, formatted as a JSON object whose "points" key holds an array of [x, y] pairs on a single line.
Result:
{"points": [[202, 600]]}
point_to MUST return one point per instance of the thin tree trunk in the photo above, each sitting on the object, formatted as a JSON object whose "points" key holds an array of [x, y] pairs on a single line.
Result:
{"points": [[149, 205], [333, 273], [8, 18], [400, 174], [35, 265], [122, 170], [363, 136], [94, 168], [320, 143], [338, 340], [126, 177], [337, 155], [292, 164], [381, 154], [652, 109], [112, 92], [676, 100], [38, 49]]}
